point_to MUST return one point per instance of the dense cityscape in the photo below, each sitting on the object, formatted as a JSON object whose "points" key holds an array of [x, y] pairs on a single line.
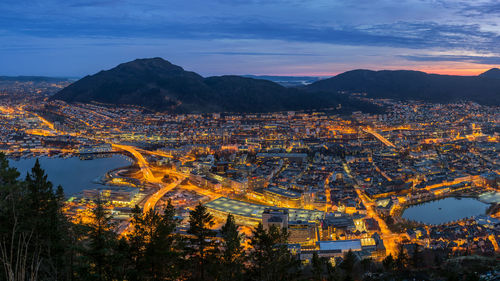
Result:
{"points": [[338, 184]]}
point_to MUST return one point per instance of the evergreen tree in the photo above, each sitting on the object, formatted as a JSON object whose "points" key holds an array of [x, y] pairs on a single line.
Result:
{"points": [[44, 216], [201, 245], [161, 253], [8, 175], [137, 242], [366, 264], [401, 258], [347, 264], [33, 213], [232, 256], [101, 241], [416, 258], [388, 263], [19, 257], [270, 257], [317, 267], [153, 245], [120, 261]]}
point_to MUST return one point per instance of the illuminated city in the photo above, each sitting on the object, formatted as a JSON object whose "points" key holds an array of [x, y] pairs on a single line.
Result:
{"points": [[229, 140], [330, 179]]}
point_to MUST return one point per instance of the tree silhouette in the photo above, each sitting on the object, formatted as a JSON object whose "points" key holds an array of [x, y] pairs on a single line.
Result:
{"points": [[232, 255], [201, 244]]}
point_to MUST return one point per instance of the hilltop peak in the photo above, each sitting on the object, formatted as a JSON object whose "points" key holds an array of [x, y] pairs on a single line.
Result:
{"points": [[492, 73], [156, 63]]}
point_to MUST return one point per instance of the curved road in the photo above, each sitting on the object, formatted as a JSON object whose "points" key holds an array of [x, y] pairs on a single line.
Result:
{"points": [[149, 177]]}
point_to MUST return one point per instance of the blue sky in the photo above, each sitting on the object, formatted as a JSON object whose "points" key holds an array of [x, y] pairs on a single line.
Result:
{"points": [[278, 37]]}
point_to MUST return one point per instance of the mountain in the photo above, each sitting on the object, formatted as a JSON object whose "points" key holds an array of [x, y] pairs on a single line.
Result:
{"points": [[492, 73], [407, 85], [161, 86]]}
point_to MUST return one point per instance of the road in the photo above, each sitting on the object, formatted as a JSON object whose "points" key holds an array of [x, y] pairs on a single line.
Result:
{"points": [[390, 239], [154, 198], [151, 178], [378, 136], [141, 161]]}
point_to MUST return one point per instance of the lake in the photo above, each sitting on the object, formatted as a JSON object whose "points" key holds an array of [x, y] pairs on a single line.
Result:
{"points": [[445, 210], [73, 174]]}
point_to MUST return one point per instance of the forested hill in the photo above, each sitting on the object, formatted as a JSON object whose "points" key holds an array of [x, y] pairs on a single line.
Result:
{"points": [[161, 86], [415, 85]]}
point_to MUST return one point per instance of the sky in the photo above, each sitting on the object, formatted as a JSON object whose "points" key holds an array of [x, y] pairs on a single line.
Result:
{"points": [[73, 38]]}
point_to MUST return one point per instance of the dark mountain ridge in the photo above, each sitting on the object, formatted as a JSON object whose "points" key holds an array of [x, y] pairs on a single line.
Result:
{"points": [[492, 73], [159, 85], [415, 85]]}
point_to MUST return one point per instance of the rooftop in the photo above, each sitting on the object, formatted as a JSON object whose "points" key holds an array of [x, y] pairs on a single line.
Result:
{"points": [[250, 210]]}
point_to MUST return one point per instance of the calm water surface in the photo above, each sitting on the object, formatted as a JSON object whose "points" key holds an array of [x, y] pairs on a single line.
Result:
{"points": [[72, 173], [445, 210]]}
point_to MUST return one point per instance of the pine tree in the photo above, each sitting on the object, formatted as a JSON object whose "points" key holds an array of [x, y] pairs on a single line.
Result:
{"points": [[154, 245], [201, 245], [416, 258], [43, 215], [101, 242], [137, 244], [232, 256], [388, 263], [270, 257], [8, 175], [160, 252], [317, 267], [19, 255], [120, 261], [401, 258], [348, 262], [34, 214]]}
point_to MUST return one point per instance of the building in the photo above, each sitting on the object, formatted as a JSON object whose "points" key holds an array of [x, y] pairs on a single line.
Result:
{"points": [[251, 214], [332, 249], [292, 157], [100, 148], [276, 217], [121, 196], [303, 232], [283, 197], [335, 226]]}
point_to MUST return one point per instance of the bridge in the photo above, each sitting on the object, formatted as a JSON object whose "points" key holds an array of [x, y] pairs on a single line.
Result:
{"points": [[378, 136]]}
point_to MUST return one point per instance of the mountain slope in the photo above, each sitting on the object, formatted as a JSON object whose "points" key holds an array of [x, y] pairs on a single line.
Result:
{"points": [[405, 85], [492, 73], [159, 85], [152, 83]]}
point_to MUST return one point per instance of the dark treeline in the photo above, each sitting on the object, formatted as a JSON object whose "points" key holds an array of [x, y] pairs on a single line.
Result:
{"points": [[37, 242]]}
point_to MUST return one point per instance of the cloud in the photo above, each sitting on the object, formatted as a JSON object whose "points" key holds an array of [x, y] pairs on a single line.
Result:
{"points": [[487, 60], [259, 54], [412, 35], [480, 9], [381, 31]]}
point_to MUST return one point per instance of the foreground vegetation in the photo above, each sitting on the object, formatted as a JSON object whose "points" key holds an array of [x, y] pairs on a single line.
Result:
{"points": [[37, 242]]}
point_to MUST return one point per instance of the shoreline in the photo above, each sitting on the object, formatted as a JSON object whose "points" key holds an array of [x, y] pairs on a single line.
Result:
{"points": [[397, 216]]}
